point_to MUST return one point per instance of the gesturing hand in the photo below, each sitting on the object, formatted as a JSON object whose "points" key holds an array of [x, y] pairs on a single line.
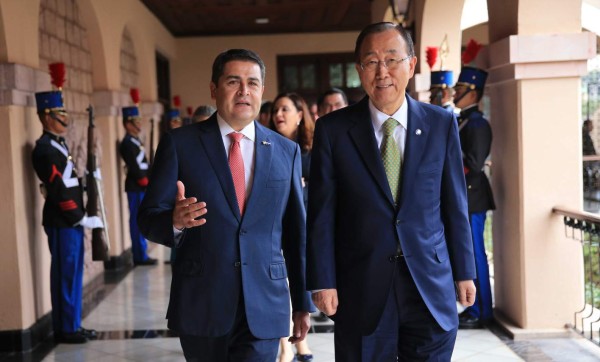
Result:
{"points": [[187, 210]]}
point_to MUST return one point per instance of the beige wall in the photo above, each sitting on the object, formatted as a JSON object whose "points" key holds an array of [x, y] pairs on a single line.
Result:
{"points": [[191, 70], [25, 258], [20, 32]]}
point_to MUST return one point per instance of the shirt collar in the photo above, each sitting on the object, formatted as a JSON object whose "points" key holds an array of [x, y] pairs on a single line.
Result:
{"points": [[474, 105], [249, 131], [54, 136], [378, 117]]}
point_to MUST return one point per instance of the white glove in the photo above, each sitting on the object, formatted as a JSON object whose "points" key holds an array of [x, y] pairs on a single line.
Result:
{"points": [[91, 222]]}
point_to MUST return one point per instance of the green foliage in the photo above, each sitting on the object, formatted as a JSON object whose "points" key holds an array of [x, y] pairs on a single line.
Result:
{"points": [[590, 89], [591, 261]]}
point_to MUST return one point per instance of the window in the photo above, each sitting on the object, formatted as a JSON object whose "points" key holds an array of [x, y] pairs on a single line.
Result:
{"points": [[312, 74]]}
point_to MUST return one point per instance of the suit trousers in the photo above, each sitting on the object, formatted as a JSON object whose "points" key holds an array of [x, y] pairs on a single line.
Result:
{"points": [[406, 331], [66, 277], [482, 308], [237, 345], [138, 242]]}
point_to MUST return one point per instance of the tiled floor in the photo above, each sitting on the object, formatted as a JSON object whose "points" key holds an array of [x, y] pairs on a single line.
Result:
{"points": [[133, 328]]}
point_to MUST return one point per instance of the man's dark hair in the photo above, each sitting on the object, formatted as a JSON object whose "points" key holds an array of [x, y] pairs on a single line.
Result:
{"points": [[204, 111], [266, 107], [381, 27], [329, 92], [235, 54]]}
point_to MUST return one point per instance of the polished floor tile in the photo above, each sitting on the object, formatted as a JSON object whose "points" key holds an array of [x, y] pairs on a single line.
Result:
{"points": [[132, 325]]}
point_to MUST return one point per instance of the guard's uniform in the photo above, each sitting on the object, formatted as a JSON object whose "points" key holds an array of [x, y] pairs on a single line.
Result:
{"points": [[62, 210], [476, 141], [132, 152]]}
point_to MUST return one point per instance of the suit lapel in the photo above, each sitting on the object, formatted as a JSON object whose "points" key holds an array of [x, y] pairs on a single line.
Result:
{"points": [[416, 139], [210, 137], [263, 153], [363, 136]]}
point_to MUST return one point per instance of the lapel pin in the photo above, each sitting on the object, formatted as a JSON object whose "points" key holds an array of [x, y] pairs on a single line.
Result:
{"points": [[418, 132], [266, 143]]}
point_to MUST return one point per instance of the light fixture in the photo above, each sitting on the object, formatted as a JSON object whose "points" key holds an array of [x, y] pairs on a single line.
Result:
{"points": [[261, 20]]}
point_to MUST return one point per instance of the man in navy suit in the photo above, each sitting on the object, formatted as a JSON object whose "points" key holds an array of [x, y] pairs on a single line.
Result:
{"points": [[227, 193], [388, 231]]}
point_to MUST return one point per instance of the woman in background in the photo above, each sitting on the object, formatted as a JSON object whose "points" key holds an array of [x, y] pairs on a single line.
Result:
{"points": [[291, 118]]}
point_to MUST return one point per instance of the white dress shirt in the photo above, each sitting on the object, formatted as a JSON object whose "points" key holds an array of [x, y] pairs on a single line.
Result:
{"points": [[246, 146], [401, 115]]}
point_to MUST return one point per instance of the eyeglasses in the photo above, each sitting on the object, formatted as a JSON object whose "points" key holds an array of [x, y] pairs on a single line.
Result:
{"points": [[390, 64]]}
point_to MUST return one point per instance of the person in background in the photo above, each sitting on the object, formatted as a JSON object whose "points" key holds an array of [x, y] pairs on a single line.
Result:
{"points": [[227, 193], [202, 113], [588, 144], [331, 100], [476, 143], [265, 113], [63, 219], [133, 154], [441, 91], [291, 118], [389, 245], [174, 118]]}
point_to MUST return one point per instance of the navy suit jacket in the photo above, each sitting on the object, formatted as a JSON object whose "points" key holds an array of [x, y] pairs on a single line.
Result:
{"points": [[230, 257], [354, 227]]}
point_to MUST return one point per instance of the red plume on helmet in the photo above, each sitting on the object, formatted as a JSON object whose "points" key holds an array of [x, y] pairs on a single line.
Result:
{"points": [[57, 73], [431, 54], [190, 111], [177, 101], [135, 95], [470, 52]]}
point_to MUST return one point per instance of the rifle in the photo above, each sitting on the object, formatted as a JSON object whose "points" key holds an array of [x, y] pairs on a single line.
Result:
{"points": [[151, 150], [95, 201]]}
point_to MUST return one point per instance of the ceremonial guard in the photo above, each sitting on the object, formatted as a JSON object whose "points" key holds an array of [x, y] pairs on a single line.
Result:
{"points": [[132, 152], [476, 141], [440, 89], [63, 216], [173, 115]]}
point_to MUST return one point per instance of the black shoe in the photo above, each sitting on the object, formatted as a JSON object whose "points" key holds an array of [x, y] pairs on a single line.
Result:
{"points": [[304, 357], [467, 321], [88, 333], [72, 338], [149, 261]]}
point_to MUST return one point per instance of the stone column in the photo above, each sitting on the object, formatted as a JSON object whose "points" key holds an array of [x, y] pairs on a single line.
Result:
{"points": [[25, 257], [533, 85]]}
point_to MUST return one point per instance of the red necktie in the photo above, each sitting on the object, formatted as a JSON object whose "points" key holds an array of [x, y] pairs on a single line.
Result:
{"points": [[236, 163]]}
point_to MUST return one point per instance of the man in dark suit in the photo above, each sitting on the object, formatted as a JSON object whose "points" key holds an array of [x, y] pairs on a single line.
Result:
{"points": [[476, 143], [388, 231], [227, 193]]}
